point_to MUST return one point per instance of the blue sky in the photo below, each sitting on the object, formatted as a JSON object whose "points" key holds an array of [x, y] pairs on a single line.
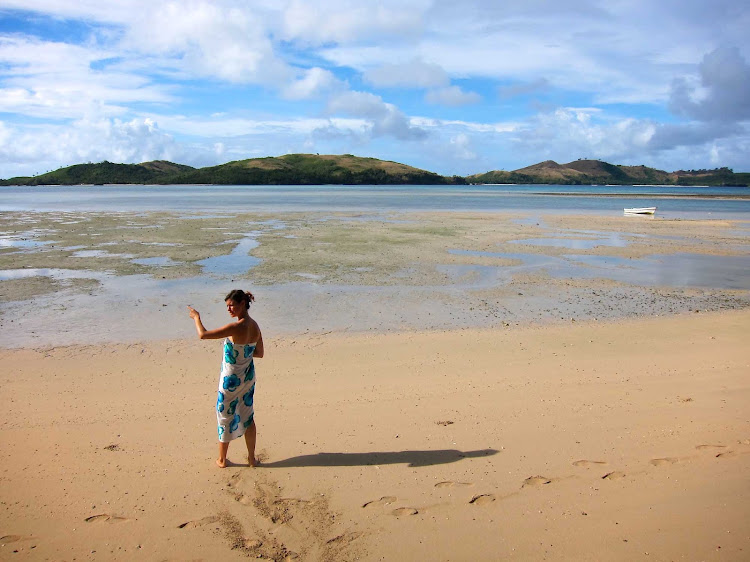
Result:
{"points": [[451, 87]]}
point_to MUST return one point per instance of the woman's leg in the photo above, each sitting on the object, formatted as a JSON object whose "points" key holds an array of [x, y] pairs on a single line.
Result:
{"points": [[250, 435], [222, 460]]}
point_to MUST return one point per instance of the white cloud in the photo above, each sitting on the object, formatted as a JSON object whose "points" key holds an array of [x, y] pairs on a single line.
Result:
{"points": [[220, 39], [452, 95], [344, 21], [226, 127], [384, 118], [570, 133], [412, 74], [462, 147], [52, 146], [502, 127], [314, 82], [56, 80], [283, 73]]}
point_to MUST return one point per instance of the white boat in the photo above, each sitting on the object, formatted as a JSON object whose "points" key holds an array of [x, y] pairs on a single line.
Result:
{"points": [[640, 211]]}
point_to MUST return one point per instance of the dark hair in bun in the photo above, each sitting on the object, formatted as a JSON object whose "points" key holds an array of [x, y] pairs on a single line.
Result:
{"points": [[238, 295]]}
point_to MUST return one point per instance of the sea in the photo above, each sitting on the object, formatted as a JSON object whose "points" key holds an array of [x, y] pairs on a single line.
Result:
{"points": [[672, 202]]}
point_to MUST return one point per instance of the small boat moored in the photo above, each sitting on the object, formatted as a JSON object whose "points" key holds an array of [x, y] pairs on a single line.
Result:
{"points": [[640, 211]]}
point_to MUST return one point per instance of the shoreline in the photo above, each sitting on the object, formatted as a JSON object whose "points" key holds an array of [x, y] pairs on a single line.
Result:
{"points": [[610, 439]]}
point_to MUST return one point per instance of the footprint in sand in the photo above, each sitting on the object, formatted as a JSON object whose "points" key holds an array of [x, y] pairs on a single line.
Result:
{"points": [[536, 481], [589, 464], [664, 461], [105, 518], [385, 500], [243, 499], [10, 538], [199, 522], [613, 475], [450, 484], [343, 540], [290, 502], [404, 511], [482, 499], [710, 447]]}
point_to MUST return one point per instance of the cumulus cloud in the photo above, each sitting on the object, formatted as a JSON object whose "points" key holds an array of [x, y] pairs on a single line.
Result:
{"points": [[412, 74], [203, 38], [569, 133], [84, 141], [452, 95], [385, 119], [176, 61], [724, 91], [314, 82]]}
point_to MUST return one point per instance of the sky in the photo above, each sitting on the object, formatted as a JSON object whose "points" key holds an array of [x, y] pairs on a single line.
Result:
{"points": [[453, 87]]}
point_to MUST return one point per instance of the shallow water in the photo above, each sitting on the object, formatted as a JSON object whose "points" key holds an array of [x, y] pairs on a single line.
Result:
{"points": [[670, 270], [672, 202], [589, 241], [237, 262], [469, 295]]}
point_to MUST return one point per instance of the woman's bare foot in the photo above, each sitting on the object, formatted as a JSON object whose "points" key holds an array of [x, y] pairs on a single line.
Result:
{"points": [[252, 461], [221, 463]]}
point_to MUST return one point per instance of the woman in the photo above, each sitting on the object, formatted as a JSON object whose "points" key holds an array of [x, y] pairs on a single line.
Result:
{"points": [[234, 407]]}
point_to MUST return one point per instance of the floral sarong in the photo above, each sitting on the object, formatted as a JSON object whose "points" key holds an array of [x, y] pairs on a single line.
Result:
{"points": [[234, 406]]}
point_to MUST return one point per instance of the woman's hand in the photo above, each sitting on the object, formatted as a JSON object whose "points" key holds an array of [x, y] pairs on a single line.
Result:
{"points": [[194, 314]]}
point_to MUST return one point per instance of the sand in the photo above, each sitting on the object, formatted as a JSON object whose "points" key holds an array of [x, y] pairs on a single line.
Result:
{"points": [[436, 386], [613, 440]]}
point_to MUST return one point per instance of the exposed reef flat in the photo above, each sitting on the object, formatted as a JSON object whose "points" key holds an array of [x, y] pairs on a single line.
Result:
{"points": [[350, 271]]}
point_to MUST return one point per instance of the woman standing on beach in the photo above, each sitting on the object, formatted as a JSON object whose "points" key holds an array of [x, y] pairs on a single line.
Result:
{"points": [[243, 341]]}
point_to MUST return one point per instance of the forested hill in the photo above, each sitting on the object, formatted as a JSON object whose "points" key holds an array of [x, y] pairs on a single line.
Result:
{"points": [[309, 169], [314, 169], [292, 169], [596, 172], [104, 172]]}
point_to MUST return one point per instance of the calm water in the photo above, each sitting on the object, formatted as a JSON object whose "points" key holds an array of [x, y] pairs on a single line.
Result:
{"points": [[672, 202]]}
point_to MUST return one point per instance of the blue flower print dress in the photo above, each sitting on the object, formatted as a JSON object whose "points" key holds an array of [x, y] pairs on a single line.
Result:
{"points": [[234, 406]]}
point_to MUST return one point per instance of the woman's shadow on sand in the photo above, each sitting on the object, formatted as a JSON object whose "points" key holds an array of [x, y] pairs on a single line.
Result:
{"points": [[412, 458]]}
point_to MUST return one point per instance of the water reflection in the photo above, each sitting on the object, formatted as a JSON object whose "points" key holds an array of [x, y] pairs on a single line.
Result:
{"points": [[675, 270], [235, 263], [611, 239]]}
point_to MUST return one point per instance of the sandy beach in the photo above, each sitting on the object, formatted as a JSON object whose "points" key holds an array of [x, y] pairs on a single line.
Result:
{"points": [[430, 391], [601, 441]]}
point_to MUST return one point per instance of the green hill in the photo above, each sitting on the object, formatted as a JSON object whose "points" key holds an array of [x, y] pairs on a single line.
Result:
{"points": [[315, 169], [291, 169], [103, 172], [309, 169], [593, 172]]}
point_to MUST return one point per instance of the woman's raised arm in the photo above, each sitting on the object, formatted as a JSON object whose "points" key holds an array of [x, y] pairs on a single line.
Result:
{"points": [[223, 332]]}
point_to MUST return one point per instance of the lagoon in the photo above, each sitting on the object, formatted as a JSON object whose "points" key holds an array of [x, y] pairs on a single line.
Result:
{"points": [[672, 202]]}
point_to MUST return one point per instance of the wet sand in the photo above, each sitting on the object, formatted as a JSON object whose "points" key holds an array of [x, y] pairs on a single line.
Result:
{"points": [[435, 387], [316, 272]]}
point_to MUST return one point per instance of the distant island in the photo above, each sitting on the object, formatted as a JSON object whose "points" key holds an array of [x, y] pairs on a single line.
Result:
{"points": [[346, 169]]}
